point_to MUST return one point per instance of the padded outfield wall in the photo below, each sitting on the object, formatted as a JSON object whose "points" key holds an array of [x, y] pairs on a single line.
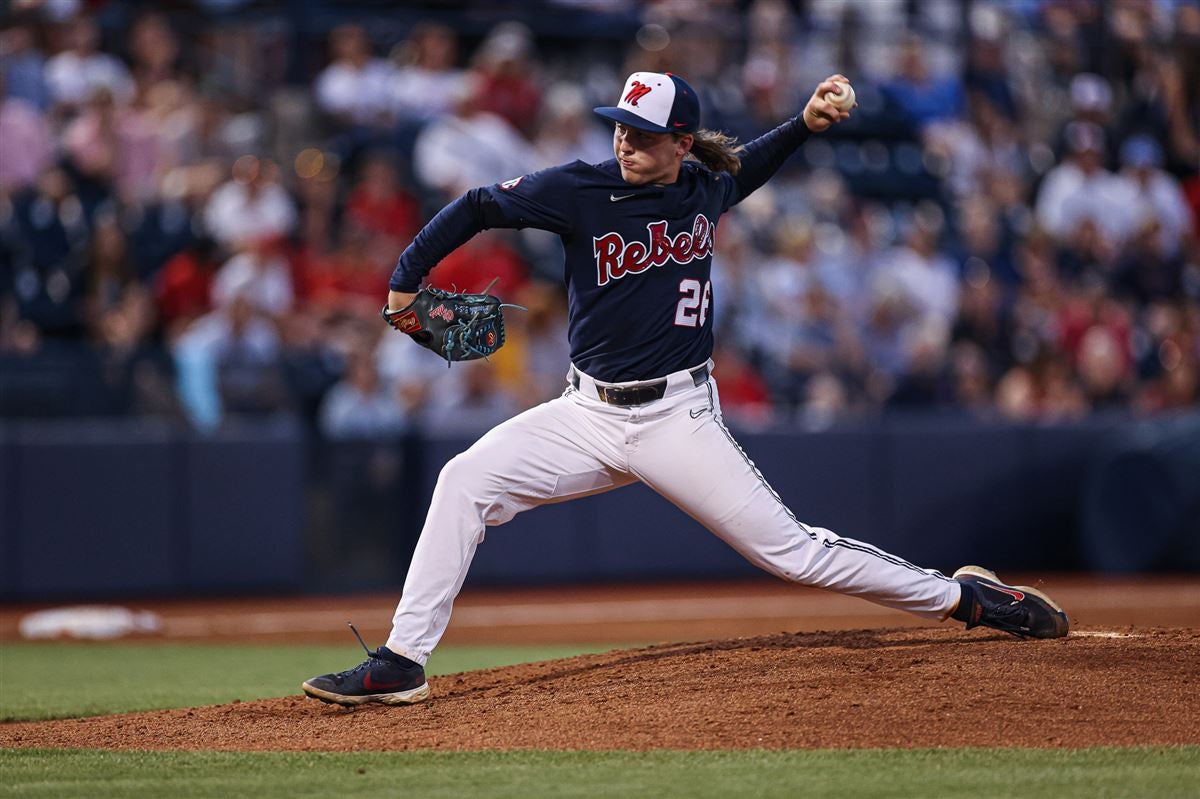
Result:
{"points": [[111, 509]]}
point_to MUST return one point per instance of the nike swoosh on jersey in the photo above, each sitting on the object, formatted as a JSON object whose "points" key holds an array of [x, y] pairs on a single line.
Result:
{"points": [[697, 413], [614, 198]]}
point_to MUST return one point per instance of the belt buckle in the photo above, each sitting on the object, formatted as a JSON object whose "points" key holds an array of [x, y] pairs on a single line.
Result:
{"points": [[632, 395], [614, 395], [635, 395], [619, 396]]}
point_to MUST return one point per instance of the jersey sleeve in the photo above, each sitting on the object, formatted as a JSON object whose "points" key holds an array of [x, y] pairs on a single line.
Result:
{"points": [[540, 200], [762, 158]]}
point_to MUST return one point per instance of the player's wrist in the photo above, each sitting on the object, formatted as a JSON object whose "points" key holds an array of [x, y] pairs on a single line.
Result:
{"points": [[813, 121], [398, 300]]}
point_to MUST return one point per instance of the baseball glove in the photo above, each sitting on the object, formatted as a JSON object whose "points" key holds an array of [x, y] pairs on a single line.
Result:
{"points": [[457, 326]]}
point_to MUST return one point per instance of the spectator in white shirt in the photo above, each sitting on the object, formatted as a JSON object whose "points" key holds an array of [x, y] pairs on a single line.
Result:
{"points": [[250, 207], [426, 80], [497, 151], [1082, 190], [354, 87], [74, 74], [567, 130], [921, 277], [259, 275], [1151, 196]]}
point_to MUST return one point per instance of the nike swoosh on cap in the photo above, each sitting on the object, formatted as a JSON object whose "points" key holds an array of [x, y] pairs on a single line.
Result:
{"points": [[614, 198]]}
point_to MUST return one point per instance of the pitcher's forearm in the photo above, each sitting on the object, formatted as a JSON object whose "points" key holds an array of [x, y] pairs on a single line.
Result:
{"points": [[452, 227]]}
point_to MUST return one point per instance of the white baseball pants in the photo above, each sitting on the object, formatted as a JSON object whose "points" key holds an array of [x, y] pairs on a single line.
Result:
{"points": [[576, 445]]}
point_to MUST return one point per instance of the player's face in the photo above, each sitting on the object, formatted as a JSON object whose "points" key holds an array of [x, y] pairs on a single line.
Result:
{"points": [[646, 157]]}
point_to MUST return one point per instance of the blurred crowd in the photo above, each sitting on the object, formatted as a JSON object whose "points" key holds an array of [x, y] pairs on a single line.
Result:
{"points": [[202, 227]]}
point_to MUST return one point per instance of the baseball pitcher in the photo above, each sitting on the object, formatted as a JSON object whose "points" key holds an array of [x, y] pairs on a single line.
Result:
{"points": [[640, 402]]}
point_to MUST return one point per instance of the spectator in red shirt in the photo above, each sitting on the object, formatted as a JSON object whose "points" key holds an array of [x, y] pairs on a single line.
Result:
{"points": [[504, 64], [184, 286], [744, 394], [347, 280], [378, 204], [475, 264], [1089, 309]]}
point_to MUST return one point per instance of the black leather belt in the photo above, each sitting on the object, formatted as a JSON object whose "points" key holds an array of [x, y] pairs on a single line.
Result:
{"points": [[638, 395]]}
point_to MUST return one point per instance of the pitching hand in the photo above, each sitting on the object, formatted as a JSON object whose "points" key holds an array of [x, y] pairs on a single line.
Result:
{"points": [[820, 114]]}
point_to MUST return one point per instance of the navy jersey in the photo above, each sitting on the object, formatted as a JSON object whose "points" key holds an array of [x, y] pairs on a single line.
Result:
{"points": [[637, 258]]}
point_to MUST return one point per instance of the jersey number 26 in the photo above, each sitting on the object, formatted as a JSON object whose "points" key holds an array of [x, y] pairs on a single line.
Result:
{"points": [[692, 309]]}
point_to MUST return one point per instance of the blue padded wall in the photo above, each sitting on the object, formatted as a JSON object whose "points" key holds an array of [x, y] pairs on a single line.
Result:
{"points": [[244, 510], [95, 510]]}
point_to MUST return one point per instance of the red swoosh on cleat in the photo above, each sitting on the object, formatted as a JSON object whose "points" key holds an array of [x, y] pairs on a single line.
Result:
{"points": [[1017, 595], [371, 685]]}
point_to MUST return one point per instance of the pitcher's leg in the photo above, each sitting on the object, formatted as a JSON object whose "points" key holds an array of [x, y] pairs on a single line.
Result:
{"points": [[697, 465], [542, 455]]}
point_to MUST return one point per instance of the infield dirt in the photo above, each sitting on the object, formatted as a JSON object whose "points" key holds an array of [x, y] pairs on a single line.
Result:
{"points": [[848, 689]]}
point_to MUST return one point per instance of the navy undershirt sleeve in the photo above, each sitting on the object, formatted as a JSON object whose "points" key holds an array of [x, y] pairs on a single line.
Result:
{"points": [[540, 200], [763, 157], [453, 226]]}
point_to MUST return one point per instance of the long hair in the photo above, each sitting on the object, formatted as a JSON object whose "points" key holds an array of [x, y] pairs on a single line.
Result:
{"points": [[717, 151]]}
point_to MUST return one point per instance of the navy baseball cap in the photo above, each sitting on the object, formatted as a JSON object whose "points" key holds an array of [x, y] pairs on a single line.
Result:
{"points": [[656, 101]]}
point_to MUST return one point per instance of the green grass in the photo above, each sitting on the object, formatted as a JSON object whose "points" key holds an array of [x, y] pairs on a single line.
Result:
{"points": [[57, 680], [43, 681], [993, 773]]}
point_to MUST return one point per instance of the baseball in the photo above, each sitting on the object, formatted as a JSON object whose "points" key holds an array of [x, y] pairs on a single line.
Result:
{"points": [[843, 98]]}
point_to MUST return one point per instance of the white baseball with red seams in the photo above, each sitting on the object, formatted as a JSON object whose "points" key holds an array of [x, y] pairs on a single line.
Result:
{"points": [[576, 445], [843, 99]]}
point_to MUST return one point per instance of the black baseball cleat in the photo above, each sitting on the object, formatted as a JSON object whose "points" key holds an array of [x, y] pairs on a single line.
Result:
{"points": [[1018, 609], [384, 677]]}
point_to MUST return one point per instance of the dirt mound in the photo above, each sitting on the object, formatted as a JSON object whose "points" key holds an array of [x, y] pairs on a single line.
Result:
{"points": [[874, 688]]}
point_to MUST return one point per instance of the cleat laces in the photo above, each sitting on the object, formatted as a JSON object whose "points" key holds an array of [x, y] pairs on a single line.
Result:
{"points": [[373, 658]]}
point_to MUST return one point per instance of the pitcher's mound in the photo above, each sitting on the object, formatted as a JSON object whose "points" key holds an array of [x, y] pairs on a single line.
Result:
{"points": [[868, 688]]}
